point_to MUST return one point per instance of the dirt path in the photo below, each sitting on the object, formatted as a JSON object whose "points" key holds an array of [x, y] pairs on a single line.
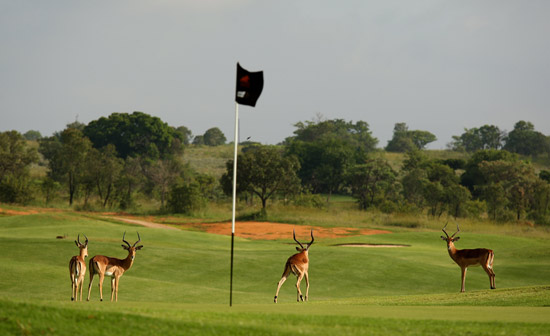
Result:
{"points": [[142, 222]]}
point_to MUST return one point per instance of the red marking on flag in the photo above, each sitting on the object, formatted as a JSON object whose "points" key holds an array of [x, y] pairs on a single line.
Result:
{"points": [[245, 81]]}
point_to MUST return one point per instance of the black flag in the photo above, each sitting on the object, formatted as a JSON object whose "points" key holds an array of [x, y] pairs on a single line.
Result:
{"points": [[249, 86]]}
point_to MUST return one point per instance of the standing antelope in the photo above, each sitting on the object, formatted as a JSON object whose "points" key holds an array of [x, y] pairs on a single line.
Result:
{"points": [[470, 257], [77, 268], [112, 267], [297, 264]]}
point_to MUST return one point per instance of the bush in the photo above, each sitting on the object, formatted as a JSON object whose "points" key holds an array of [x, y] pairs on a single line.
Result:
{"points": [[475, 208], [11, 192], [388, 207], [309, 200], [186, 198], [8, 194], [540, 219]]}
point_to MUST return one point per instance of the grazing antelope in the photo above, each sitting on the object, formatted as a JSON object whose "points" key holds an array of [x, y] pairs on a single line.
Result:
{"points": [[77, 269], [297, 264], [470, 257], [112, 267]]}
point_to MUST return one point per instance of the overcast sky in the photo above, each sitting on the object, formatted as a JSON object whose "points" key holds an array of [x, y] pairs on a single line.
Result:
{"points": [[439, 66]]}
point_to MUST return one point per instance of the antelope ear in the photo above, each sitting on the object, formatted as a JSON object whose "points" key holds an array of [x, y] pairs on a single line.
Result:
{"points": [[298, 249], [457, 238], [443, 238], [124, 247], [139, 247]]}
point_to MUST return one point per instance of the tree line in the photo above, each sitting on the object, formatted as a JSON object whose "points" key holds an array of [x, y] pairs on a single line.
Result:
{"points": [[113, 160]]}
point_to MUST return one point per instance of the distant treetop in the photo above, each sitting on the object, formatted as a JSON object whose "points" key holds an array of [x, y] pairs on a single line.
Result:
{"points": [[134, 135]]}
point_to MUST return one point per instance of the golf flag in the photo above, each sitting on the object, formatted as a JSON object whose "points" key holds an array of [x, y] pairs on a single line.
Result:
{"points": [[248, 90], [249, 86]]}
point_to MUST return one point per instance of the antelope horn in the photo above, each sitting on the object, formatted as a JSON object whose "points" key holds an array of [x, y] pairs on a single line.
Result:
{"points": [[123, 236], [86, 242], [457, 230], [445, 231], [312, 239], [78, 239], [139, 239], [294, 234]]}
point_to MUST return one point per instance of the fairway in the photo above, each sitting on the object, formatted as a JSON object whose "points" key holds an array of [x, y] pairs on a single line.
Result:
{"points": [[179, 283]]}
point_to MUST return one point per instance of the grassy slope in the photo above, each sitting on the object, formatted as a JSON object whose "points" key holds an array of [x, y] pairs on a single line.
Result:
{"points": [[180, 278]]}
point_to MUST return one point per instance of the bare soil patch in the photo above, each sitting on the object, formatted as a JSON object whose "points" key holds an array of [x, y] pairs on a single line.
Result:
{"points": [[28, 211], [274, 231], [258, 230], [371, 245]]}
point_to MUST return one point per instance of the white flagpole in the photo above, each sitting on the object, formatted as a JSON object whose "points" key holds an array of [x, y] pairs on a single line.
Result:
{"points": [[235, 166], [234, 199]]}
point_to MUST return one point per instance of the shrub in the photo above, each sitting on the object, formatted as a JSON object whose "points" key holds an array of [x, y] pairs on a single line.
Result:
{"points": [[309, 200], [186, 198]]}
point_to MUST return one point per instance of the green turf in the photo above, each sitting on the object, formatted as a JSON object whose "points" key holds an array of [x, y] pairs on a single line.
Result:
{"points": [[179, 284]]}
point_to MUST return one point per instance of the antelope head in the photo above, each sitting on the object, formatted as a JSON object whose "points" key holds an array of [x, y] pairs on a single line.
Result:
{"points": [[83, 247], [302, 248], [131, 248], [450, 239]]}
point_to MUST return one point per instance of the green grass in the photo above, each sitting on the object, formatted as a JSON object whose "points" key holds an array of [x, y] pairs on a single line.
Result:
{"points": [[207, 159], [179, 283]]}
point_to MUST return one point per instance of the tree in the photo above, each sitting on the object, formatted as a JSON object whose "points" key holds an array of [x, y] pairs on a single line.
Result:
{"points": [[214, 137], [457, 197], [263, 172], [357, 135], [324, 163], [163, 174], [32, 135], [540, 202], [326, 149], [371, 183], [525, 140], [442, 191], [131, 179], [474, 139], [434, 184], [545, 175], [494, 196], [185, 134], [103, 170], [15, 160], [49, 187], [422, 138], [404, 140], [66, 155], [473, 177], [198, 140], [15, 155], [414, 178], [136, 134], [514, 181]]}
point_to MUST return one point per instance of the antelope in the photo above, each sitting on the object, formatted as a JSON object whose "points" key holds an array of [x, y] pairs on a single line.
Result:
{"points": [[297, 264], [77, 269], [112, 267], [470, 257]]}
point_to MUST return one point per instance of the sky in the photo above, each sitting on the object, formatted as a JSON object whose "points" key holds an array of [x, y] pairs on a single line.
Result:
{"points": [[439, 66]]}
